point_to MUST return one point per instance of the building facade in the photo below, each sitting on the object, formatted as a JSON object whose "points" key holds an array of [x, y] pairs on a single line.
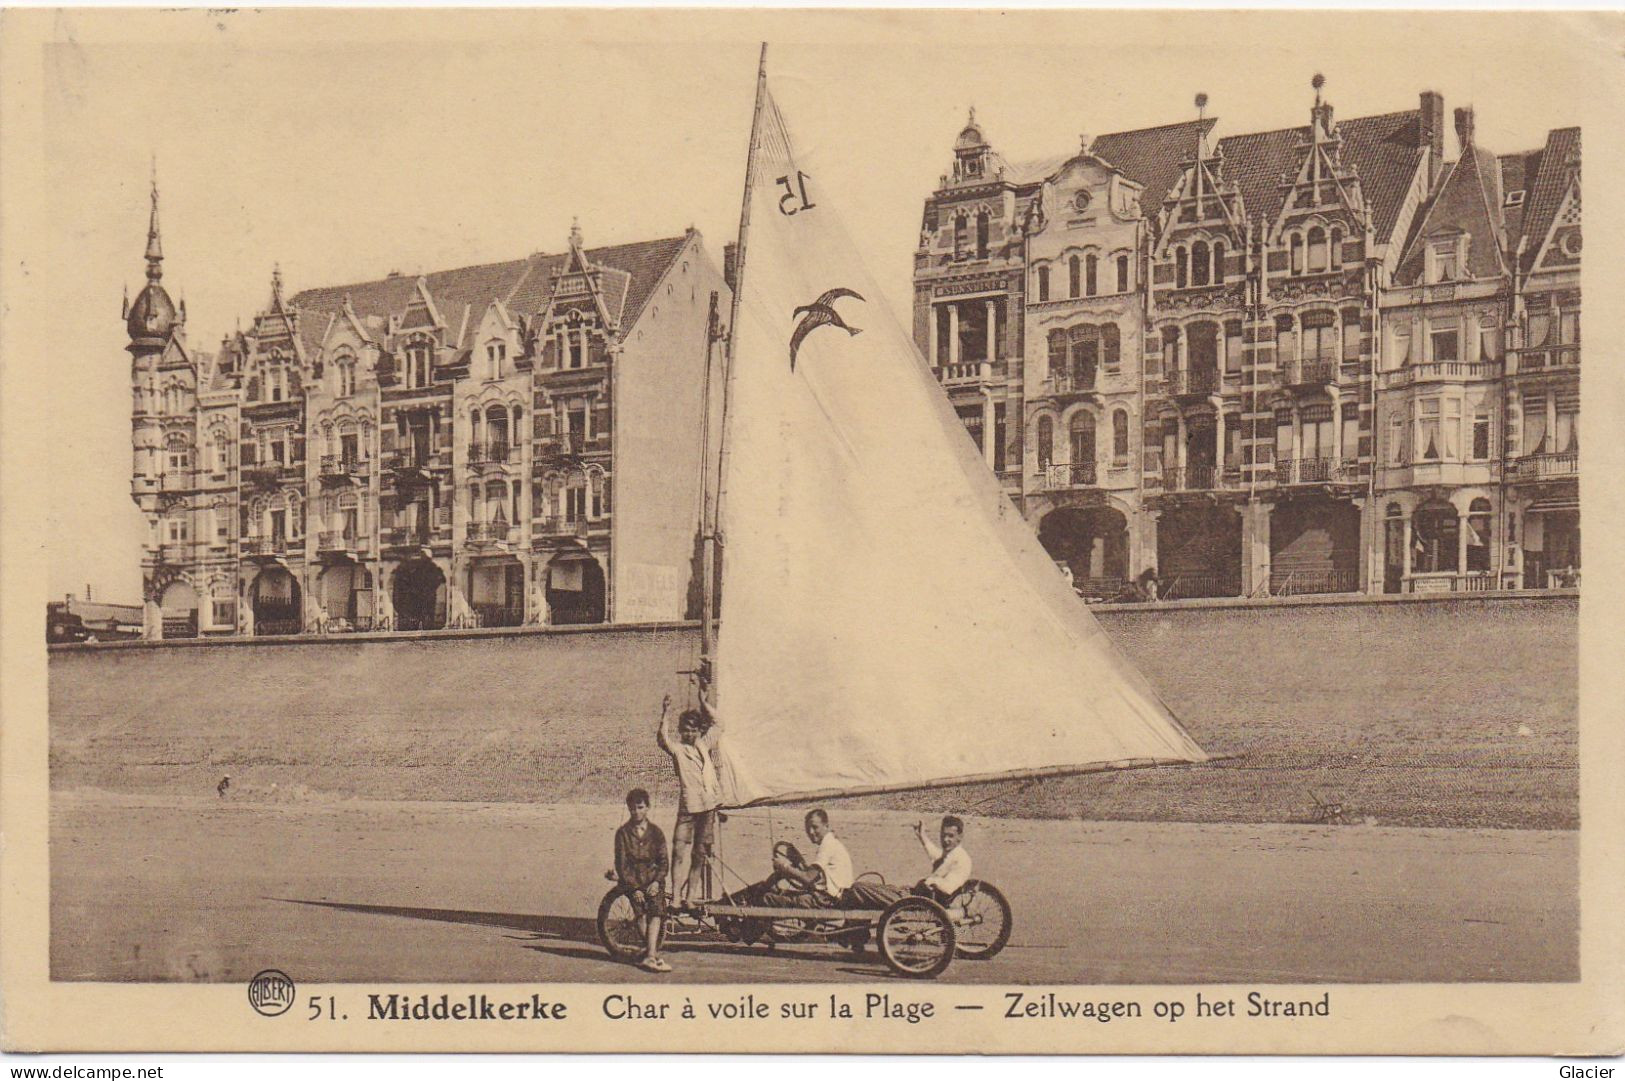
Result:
{"points": [[499, 445], [1324, 359]]}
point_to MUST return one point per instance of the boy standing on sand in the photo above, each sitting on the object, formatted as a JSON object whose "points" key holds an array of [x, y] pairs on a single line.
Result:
{"points": [[640, 867]]}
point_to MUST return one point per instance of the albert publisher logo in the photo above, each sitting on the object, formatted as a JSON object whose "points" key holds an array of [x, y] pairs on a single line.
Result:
{"points": [[270, 992]]}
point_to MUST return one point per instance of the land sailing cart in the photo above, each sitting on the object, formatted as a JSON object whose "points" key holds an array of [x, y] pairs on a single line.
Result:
{"points": [[892, 623], [916, 936]]}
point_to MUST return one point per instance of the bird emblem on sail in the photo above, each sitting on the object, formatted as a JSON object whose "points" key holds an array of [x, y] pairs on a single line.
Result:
{"points": [[820, 313]]}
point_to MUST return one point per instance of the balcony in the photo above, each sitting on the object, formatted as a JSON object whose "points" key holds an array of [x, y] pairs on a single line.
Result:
{"points": [[977, 373], [414, 464], [175, 553], [1289, 471], [262, 474], [1060, 477], [1543, 466], [1194, 383], [406, 538], [336, 543], [264, 547], [340, 469], [484, 533], [1310, 374], [562, 528], [1200, 478], [1458, 371], [1071, 385], [489, 453], [1551, 358]]}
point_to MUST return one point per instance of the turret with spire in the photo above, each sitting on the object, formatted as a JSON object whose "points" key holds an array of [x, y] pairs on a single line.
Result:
{"points": [[153, 317]]}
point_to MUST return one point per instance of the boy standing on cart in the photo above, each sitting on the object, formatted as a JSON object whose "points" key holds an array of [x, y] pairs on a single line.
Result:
{"points": [[693, 753]]}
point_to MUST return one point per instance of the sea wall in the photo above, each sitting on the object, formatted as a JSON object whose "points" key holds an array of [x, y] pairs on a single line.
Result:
{"points": [[1424, 711]]}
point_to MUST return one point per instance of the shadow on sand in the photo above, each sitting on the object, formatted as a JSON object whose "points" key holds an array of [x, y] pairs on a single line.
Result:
{"points": [[573, 936]]}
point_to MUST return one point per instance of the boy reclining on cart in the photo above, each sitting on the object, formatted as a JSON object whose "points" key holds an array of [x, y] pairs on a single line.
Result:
{"points": [[821, 883], [950, 869]]}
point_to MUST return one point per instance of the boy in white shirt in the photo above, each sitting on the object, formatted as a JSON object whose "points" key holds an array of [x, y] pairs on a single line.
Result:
{"points": [[950, 863]]}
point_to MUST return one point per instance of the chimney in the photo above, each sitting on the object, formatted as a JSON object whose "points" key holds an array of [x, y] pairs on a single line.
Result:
{"points": [[1432, 133], [730, 259], [1464, 127]]}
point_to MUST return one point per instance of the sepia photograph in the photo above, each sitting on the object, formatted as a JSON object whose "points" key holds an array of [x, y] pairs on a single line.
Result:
{"points": [[548, 515]]}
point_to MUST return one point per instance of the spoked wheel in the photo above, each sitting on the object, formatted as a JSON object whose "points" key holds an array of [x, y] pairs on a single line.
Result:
{"points": [[981, 918], [620, 927], [916, 938]]}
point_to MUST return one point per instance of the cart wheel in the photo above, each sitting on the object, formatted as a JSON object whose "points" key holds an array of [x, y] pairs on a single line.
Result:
{"points": [[981, 918], [916, 937], [620, 927]]}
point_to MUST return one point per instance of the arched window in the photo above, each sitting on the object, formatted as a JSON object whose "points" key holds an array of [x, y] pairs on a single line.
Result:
{"points": [[1043, 283], [1091, 267], [1083, 442], [1317, 250], [496, 502], [1111, 345], [981, 235], [1181, 268], [1046, 442], [1337, 248], [1297, 253], [959, 236], [1478, 535], [1119, 434], [1075, 272], [1435, 538], [1199, 263], [1085, 353], [1122, 273], [1218, 262]]}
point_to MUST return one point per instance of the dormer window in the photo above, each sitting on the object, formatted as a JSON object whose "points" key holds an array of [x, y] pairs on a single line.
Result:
{"points": [[495, 355], [1445, 260]]}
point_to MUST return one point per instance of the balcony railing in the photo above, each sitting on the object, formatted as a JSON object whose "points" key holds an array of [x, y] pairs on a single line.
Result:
{"points": [[966, 374], [1056, 477], [1201, 584], [488, 532], [1311, 373], [1314, 471], [558, 445], [1295, 582], [413, 460], [406, 537], [1199, 478], [1546, 358], [1191, 382], [1071, 383], [499, 615], [562, 527], [265, 546], [1447, 370], [337, 465], [335, 540], [1540, 466], [494, 452]]}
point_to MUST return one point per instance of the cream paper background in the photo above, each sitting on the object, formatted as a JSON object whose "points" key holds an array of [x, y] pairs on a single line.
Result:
{"points": [[1570, 64]]}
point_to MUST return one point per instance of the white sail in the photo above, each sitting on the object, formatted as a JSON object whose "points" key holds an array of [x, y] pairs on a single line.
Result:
{"points": [[889, 621]]}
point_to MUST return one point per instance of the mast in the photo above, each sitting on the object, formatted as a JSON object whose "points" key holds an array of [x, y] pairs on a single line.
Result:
{"points": [[711, 538]]}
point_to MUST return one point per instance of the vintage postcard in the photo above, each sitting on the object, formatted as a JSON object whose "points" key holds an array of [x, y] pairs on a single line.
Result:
{"points": [[810, 531]]}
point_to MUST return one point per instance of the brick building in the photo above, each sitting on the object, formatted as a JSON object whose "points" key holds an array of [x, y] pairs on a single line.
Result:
{"points": [[1341, 357], [513, 443]]}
